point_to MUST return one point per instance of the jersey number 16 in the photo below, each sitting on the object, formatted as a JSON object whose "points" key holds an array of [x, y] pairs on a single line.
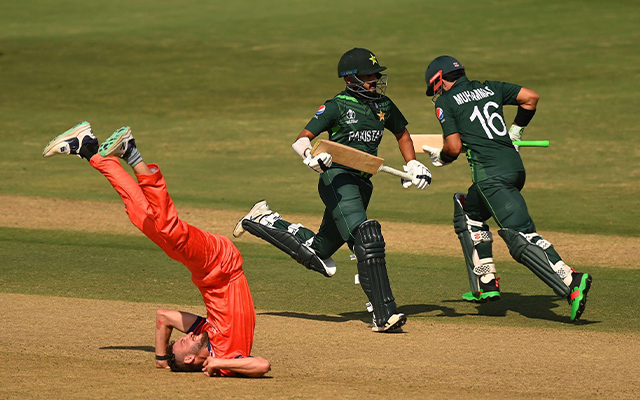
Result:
{"points": [[489, 120]]}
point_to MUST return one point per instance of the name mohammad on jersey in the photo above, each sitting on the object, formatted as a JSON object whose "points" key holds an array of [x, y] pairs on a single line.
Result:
{"points": [[365, 136], [473, 95]]}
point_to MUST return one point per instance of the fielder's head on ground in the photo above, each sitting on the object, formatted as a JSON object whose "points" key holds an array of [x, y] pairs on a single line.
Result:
{"points": [[188, 353]]}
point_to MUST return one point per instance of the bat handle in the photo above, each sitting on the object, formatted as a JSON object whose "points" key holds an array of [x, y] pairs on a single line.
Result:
{"points": [[531, 143], [395, 172]]}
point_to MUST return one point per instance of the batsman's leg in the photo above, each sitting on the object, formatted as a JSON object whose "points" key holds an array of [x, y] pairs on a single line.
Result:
{"points": [[564, 281], [269, 226], [372, 270], [472, 235], [527, 246]]}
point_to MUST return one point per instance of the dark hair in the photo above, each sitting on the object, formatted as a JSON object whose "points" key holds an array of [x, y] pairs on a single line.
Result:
{"points": [[180, 366], [171, 360], [453, 75]]}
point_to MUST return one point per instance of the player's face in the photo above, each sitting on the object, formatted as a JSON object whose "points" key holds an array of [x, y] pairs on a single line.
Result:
{"points": [[369, 82], [190, 344]]}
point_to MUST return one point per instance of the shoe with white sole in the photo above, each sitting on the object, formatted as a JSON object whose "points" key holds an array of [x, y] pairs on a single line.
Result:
{"points": [[259, 210], [393, 324], [118, 144], [73, 142]]}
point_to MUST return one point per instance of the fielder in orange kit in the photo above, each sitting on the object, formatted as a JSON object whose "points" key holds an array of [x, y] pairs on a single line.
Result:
{"points": [[219, 345]]}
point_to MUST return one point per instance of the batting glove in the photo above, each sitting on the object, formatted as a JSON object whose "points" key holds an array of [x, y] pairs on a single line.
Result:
{"points": [[319, 163], [434, 155], [422, 175], [515, 133]]}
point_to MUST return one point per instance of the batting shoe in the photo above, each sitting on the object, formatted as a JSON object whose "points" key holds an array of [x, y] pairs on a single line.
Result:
{"points": [[393, 324], [119, 144], [488, 292], [580, 285], [259, 210], [78, 141]]}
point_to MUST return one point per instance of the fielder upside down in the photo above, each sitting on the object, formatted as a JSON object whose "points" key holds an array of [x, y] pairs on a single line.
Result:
{"points": [[219, 345]]}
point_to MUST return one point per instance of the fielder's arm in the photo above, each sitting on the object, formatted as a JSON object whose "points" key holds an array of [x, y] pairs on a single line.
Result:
{"points": [[252, 367], [166, 320]]}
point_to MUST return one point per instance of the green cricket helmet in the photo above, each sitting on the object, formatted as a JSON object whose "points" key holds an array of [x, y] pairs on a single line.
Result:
{"points": [[360, 62], [437, 68]]}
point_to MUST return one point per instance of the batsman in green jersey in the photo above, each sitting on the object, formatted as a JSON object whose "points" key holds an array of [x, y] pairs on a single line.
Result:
{"points": [[355, 117], [471, 116]]}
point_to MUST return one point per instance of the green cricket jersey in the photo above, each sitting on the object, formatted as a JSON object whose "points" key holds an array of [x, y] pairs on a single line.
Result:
{"points": [[474, 110], [353, 122]]}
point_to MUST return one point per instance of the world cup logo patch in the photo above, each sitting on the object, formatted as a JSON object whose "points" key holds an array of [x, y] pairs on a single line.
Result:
{"points": [[439, 114], [320, 109]]}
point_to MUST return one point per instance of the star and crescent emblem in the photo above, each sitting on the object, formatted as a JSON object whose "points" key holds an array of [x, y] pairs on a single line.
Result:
{"points": [[373, 58]]}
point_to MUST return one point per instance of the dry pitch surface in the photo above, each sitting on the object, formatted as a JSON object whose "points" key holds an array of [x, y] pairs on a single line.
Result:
{"points": [[75, 348]]}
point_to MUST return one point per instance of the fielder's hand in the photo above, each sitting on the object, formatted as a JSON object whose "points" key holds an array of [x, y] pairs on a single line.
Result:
{"points": [[422, 175], [209, 367], [434, 155], [319, 163], [515, 133]]}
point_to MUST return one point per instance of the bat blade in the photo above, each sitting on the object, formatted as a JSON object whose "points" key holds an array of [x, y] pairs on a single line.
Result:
{"points": [[348, 156], [432, 140]]}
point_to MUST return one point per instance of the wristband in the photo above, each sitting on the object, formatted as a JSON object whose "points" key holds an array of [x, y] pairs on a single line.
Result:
{"points": [[162, 358], [301, 146], [523, 116], [446, 158]]}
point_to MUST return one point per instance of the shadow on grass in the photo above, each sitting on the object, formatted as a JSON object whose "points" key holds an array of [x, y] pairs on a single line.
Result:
{"points": [[148, 349], [535, 307], [365, 316], [313, 317]]}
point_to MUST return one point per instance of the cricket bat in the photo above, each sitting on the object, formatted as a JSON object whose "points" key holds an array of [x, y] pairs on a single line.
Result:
{"points": [[356, 159], [436, 140]]}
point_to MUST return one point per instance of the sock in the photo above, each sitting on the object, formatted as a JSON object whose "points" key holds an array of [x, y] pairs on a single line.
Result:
{"points": [[88, 150], [132, 156]]}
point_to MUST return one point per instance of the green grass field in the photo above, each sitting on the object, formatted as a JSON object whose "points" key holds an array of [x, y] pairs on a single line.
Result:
{"points": [[112, 267], [215, 92]]}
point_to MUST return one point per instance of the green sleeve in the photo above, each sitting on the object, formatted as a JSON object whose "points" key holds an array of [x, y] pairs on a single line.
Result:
{"points": [[445, 116], [509, 91], [396, 122], [326, 118]]}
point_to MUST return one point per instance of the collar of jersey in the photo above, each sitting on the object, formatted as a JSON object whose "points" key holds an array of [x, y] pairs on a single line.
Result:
{"points": [[460, 81], [346, 96]]}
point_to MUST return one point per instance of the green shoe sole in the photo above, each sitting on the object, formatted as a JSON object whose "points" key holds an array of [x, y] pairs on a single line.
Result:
{"points": [[111, 146], [482, 297], [579, 297]]}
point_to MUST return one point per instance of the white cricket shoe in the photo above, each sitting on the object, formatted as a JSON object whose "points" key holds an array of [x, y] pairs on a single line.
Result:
{"points": [[259, 210], [393, 324]]}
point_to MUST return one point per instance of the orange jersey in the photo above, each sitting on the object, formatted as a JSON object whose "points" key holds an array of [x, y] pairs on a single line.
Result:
{"points": [[215, 263]]}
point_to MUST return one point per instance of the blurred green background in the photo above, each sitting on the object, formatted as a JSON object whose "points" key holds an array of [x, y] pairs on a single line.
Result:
{"points": [[216, 92]]}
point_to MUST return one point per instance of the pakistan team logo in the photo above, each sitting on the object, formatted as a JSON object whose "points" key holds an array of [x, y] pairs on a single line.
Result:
{"points": [[351, 117]]}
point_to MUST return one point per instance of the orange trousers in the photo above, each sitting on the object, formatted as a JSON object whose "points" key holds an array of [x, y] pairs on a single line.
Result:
{"points": [[215, 263]]}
